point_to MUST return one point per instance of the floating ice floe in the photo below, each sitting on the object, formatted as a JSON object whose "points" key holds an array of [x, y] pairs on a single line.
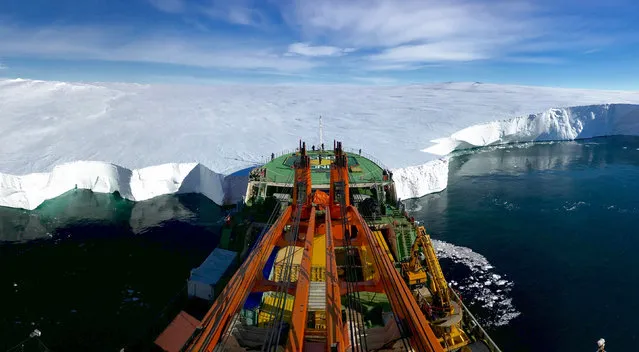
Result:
{"points": [[484, 287]]}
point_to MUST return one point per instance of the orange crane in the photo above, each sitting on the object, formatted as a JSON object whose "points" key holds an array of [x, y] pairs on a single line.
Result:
{"points": [[303, 214]]}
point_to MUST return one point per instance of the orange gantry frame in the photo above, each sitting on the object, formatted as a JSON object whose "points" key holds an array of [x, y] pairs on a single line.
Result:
{"points": [[401, 299], [300, 309], [339, 191], [334, 326], [218, 318], [303, 213]]}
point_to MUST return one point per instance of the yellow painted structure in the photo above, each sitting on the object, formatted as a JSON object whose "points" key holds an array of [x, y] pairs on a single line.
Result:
{"points": [[447, 328], [319, 256], [318, 273], [380, 238], [269, 308], [318, 261]]}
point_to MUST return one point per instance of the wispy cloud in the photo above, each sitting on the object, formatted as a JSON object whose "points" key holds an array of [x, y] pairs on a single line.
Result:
{"points": [[241, 12], [401, 66], [382, 81], [306, 49], [120, 44], [546, 60], [2, 66], [237, 12], [387, 23], [324, 36], [426, 31], [432, 52]]}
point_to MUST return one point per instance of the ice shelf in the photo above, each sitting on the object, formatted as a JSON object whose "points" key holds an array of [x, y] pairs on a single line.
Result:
{"points": [[199, 136]]}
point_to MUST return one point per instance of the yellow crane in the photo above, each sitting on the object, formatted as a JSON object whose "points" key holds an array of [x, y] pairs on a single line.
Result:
{"points": [[444, 314], [416, 274]]}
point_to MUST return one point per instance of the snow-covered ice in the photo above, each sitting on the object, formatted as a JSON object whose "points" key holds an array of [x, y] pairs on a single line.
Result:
{"points": [[147, 140]]}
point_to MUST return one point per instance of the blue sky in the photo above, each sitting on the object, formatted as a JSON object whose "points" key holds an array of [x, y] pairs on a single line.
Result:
{"points": [[587, 43]]}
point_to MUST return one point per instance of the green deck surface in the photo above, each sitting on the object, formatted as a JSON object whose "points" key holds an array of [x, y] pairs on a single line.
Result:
{"points": [[363, 170], [404, 231], [371, 305]]}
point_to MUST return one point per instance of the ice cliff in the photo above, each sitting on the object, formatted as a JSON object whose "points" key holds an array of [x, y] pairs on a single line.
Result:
{"points": [[31, 190], [557, 124], [190, 132]]}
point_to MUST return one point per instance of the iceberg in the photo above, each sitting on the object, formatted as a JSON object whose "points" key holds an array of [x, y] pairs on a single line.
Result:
{"points": [[147, 140]]}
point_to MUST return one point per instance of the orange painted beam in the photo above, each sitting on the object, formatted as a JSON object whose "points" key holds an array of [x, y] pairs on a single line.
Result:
{"points": [[362, 286], [342, 243], [302, 186], [300, 302], [334, 326], [282, 242], [339, 174], [402, 302], [232, 296], [268, 285]]}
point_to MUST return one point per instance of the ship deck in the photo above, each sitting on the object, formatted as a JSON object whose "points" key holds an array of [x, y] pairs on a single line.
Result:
{"points": [[361, 169]]}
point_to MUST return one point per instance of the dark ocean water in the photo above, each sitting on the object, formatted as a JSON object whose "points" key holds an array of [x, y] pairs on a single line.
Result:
{"points": [[94, 272], [553, 227], [560, 222]]}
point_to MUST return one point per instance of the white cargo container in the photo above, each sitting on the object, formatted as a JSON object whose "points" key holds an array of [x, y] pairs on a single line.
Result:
{"points": [[204, 278]]}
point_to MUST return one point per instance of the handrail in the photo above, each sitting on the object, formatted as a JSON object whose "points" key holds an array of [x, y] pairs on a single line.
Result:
{"points": [[491, 344], [368, 156], [266, 158], [318, 272]]}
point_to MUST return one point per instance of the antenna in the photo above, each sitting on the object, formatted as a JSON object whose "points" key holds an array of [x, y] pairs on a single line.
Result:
{"points": [[321, 131]]}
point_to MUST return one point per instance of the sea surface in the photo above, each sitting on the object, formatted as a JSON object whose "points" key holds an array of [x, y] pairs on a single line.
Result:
{"points": [[554, 233], [539, 240], [95, 272]]}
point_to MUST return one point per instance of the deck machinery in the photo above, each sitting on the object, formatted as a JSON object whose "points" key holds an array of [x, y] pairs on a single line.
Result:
{"points": [[339, 266]]}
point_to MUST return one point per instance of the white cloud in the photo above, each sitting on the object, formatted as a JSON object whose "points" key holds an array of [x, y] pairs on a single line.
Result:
{"points": [[441, 51], [170, 6], [401, 66], [380, 81], [2, 67], [306, 49], [386, 23], [242, 12], [118, 44], [427, 31], [377, 35], [549, 60]]}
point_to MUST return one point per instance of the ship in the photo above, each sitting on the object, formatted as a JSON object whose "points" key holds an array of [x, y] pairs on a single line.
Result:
{"points": [[326, 259]]}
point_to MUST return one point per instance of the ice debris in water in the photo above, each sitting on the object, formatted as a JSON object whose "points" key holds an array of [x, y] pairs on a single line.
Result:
{"points": [[575, 205], [483, 288]]}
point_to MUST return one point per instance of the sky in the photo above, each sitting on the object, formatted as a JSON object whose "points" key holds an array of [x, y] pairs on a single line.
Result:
{"points": [[563, 43]]}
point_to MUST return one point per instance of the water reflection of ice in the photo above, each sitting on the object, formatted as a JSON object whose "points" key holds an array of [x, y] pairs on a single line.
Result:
{"points": [[85, 207]]}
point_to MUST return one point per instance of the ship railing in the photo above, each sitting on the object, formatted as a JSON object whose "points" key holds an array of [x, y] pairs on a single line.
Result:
{"points": [[318, 273], [368, 156], [266, 158], [476, 329]]}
